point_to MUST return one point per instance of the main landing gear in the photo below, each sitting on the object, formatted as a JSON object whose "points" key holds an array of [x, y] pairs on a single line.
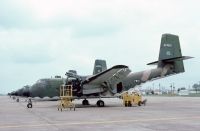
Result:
{"points": [[100, 103], [85, 102]]}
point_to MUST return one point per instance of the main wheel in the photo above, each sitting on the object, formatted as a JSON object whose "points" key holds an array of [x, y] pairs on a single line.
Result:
{"points": [[100, 103], [85, 102]]}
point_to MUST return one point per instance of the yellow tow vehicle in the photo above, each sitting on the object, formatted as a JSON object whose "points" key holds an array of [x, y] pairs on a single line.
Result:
{"points": [[132, 99]]}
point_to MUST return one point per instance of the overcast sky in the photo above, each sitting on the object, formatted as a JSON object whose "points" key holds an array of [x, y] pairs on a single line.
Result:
{"points": [[44, 38]]}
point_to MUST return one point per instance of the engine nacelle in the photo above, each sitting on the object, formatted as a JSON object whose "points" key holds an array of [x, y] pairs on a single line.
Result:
{"points": [[72, 73]]}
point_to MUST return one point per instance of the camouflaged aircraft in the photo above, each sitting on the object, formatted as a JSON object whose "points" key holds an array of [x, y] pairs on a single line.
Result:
{"points": [[46, 87], [119, 78]]}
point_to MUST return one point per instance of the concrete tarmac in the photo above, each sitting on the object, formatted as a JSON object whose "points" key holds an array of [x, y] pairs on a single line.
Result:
{"points": [[160, 114]]}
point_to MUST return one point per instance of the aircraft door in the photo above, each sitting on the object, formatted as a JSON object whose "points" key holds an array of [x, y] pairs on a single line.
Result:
{"points": [[119, 87]]}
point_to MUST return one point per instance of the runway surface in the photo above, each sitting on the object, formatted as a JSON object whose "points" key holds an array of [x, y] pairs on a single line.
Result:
{"points": [[160, 113]]}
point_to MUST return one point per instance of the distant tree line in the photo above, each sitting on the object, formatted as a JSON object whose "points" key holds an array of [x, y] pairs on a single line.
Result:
{"points": [[196, 87]]}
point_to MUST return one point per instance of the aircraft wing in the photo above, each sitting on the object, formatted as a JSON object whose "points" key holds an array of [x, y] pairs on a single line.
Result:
{"points": [[111, 75]]}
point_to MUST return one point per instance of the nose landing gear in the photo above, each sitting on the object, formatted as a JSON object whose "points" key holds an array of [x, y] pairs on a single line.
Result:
{"points": [[29, 105]]}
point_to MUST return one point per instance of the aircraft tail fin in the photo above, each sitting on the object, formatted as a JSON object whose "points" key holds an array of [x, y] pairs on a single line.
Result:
{"points": [[99, 66], [170, 53]]}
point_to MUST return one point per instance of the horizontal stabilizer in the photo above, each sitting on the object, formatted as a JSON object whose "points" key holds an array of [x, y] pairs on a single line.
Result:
{"points": [[171, 60]]}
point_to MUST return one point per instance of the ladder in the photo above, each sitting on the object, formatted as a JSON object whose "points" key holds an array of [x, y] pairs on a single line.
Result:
{"points": [[66, 97]]}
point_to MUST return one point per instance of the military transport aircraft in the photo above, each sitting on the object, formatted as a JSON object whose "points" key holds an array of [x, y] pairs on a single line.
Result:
{"points": [[46, 87], [119, 78], [49, 87]]}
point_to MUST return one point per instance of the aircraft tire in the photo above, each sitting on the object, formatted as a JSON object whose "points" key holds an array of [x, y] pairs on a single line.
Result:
{"points": [[85, 102], [29, 105], [100, 103]]}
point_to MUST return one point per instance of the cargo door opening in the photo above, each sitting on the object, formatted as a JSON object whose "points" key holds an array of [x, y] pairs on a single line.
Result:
{"points": [[119, 87]]}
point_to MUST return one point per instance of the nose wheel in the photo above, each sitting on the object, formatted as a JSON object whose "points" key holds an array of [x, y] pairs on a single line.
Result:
{"points": [[100, 103], [29, 105]]}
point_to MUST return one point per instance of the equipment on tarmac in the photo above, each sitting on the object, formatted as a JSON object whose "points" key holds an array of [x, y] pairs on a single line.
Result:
{"points": [[133, 99], [66, 97]]}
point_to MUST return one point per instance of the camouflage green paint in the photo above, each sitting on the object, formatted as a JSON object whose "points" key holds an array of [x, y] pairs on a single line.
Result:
{"points": [[99, 66], [170, 62]]}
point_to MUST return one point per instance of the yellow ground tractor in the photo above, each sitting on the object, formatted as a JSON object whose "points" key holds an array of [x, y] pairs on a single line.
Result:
{"points": [[66, 97], [132, 99]]}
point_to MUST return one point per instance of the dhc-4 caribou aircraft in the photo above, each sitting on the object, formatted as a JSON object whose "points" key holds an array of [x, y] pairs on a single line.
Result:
{"points": [[119, 78]]}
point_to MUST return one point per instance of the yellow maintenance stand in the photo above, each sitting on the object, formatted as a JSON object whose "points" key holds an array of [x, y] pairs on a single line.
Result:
{"points": [[66, 97], [132, 99]]}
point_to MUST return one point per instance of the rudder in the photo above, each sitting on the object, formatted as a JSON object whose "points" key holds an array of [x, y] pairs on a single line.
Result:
{"points": [[170, 50], [170, 53], [170, 47]]}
